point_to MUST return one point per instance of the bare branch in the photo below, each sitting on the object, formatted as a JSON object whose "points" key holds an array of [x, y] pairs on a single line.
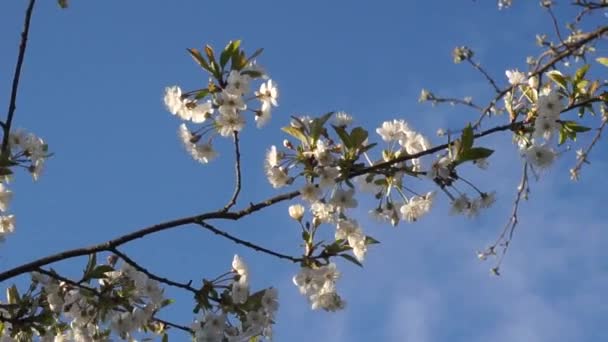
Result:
{"points": [[237, 166], [128, 260], [61, 278], [15, 87], [247, 243], [484, 73], [582, 159]]}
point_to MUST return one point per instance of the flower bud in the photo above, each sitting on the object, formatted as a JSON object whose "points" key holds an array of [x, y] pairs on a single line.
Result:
{"points": [[533, 82], [296, 212], [287, 144]]}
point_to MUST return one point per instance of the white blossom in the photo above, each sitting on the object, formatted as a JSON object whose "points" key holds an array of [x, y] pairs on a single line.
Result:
{"points": [[516, 77], [344, 198], [342, 119], [239, 266], [5, 197], [310, 192], [268, 94], [540, 156], [323, 211], [238, 84], [550, 104], [393, 130], [262, 116], [327, 175], [417, 207], [296, 211], [229, 122], [278, 177]]}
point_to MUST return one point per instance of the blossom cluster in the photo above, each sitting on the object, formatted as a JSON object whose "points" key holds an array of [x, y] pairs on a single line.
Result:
{"points": [[319, 285], [220, 108], [256, 312], [27, 151], [140, 295]]}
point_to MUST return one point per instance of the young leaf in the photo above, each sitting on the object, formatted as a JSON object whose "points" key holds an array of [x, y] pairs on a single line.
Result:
{"points": [[602, 60], [573, 126], [344, 136], [202, 93], [316, 127], [358, 136], [581, 72], [209, 52], [99, 272], [370, 240], [229, 50], [255, 54], [474, 154], [558, 78], [351, 259], [296, 133], [466, 139], [196, 55]]}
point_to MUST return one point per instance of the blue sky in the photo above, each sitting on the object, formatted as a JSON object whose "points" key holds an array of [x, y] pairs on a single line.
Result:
{"points": [[92, 88]]}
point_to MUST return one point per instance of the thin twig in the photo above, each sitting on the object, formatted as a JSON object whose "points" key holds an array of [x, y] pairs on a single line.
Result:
{"points": [[128, 260], [555, 25], [237, 167], [509, 228], [247, 243], [451, 100], [485, 73], [541, 69], [582, 159], [15, 88]]}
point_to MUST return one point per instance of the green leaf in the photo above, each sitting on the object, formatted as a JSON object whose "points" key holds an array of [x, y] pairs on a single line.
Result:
{"points": [[370, 240], [100, 272], [344, 136], [5, 171], [252, 73], [199, 59], [367, 147], [296, 133], [316, 127], [358, 136], [573, 126], [210, 53], [351, 259], [90, 266], [239, 61], [167, 302], [562, 136], [466, 139], [12, 295], [558, 78], [202, 93], [337, 247], [581, 72], [255, 54], [602, 60], [229, 50], [474, 154]]}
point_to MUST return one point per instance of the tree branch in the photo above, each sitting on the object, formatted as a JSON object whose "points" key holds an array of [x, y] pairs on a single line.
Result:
{"points": [[484, 73], [58, 277], [247, 243], [237, 167], [128, 260], [17, 75]]}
